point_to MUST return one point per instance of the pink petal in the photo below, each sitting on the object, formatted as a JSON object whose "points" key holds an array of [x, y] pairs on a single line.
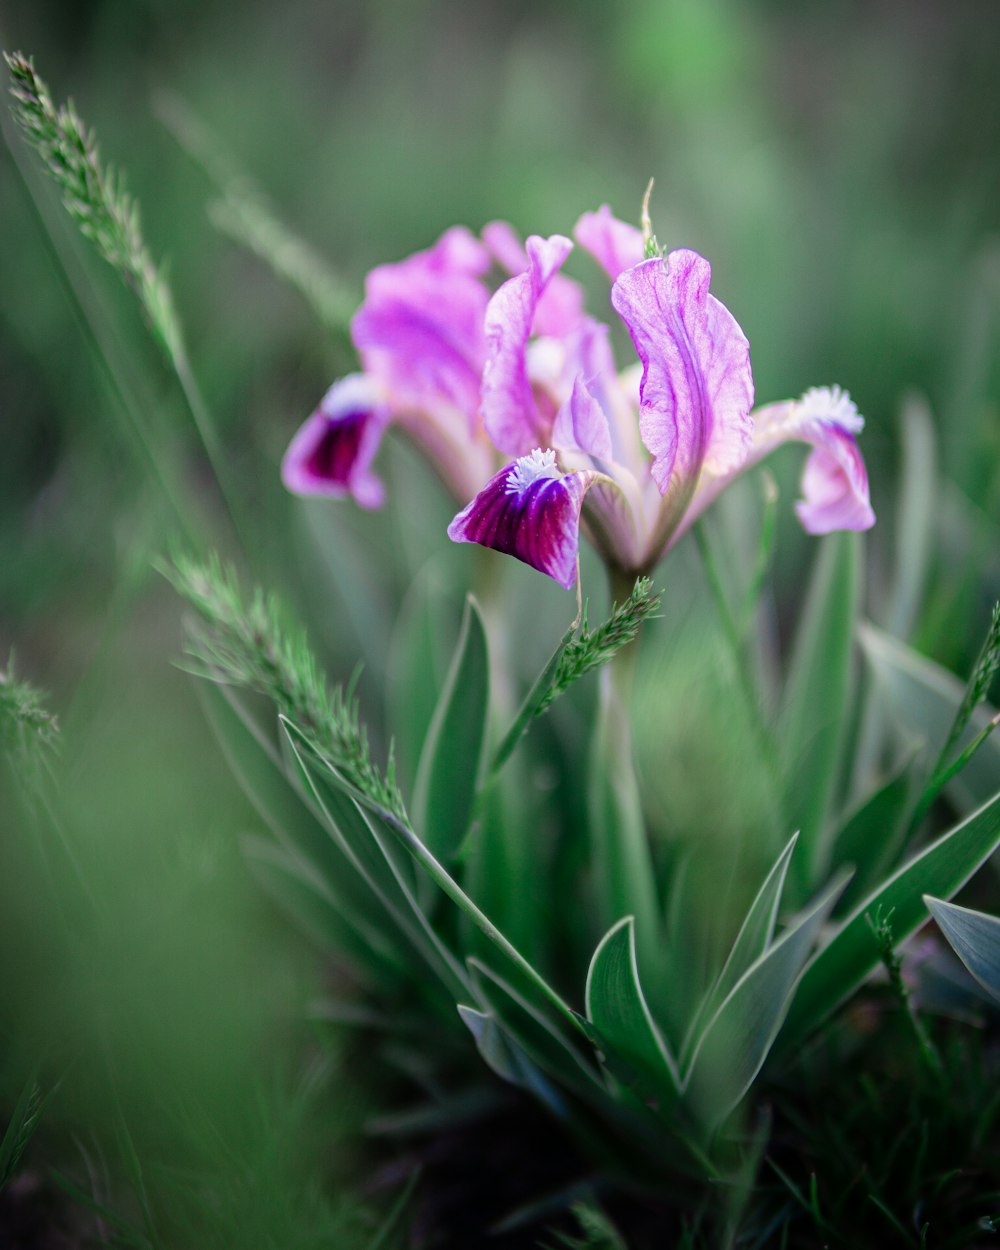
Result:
{"points": [[615, 245], [581, 424], [697, 387], [510, 413], [420, 330]]}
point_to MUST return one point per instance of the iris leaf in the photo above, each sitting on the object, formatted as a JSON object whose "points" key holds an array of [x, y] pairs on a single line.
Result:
{"points": [[449, 766], [847, 959], [975, 938]]}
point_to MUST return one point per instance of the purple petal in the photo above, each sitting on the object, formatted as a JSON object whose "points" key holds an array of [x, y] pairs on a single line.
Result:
{"points": [[615, 245], [696, 388], [835, 482], [331, 453], [510, 413], [420, 329], [529, 511], [560, 306], [581, 424], [835, 488]]}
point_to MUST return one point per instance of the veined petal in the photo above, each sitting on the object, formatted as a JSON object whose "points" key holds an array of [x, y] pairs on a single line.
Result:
{"points": [[581, 424], [615, 245], [560, 307], [531, 511], [696, 387], [420, 329], [510, 413], [332, 451], [835, 481]]}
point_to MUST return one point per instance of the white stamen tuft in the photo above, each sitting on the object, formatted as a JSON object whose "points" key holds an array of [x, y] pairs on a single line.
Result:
{"points": [[832, 405], [535, 465]]}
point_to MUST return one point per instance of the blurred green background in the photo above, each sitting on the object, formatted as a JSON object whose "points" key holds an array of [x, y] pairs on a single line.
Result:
{"points": [[837, 163]]}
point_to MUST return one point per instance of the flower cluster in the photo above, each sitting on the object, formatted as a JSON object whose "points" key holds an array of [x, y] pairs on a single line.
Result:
{"points": [[524, 373]]}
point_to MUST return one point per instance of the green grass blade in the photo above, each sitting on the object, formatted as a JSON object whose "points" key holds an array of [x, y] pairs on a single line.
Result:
{"points": [[28, 1110], [847, 959], [914, 520], [814, 714], [736, 1041], [508, 1060], [449, 768], [974, 937], [616, 1007]]}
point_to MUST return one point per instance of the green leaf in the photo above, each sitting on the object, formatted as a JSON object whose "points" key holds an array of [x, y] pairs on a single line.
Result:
{"points": [[847, 959], [616, 1007], [332, 919], [540, 1032], [751, 942], [814, 714], [508, 1060], [449, 767], [975, 938], [914, 519], [737, 1039], [375, 857], [923, 699], [532, 705], [872, 837], [28, 1110]]}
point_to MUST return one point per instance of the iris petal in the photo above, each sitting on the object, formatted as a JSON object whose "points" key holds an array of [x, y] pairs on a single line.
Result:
{"points": [[697, 387], [536, 521], [332, 451], [615, 245], [510, 413]]}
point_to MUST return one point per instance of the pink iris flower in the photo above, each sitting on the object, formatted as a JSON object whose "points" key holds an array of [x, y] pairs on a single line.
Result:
{"points": [[632, 457]]}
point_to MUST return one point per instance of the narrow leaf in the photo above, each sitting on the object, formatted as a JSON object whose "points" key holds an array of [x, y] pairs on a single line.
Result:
{"points": [[616, 1007], [508, 1060], [449, 767], [624, 875], [975, 938], [872, 837], [814, 714], [848, 958], [736, 1041], [924, 699], [751, 942]]}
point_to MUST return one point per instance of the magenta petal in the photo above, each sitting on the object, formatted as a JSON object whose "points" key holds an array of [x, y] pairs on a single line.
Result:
{"points": [[538, 524], [420, 329], [614, 244], [332, 451], [560, 307], [834, 484], [510, 413], [696, 388]]}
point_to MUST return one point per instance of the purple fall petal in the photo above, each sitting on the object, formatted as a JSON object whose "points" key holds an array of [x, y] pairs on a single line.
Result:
{"points": [[529, 511], [615, 245], [420, 329], [510, 413], [332, 451], [697, 387]]}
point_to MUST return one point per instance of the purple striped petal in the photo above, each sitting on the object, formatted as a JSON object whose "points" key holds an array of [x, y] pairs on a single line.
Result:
{"points": [[331, 453], [529, 510], [697, 387], [615, 245], [510, 413], [420, 329]]}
